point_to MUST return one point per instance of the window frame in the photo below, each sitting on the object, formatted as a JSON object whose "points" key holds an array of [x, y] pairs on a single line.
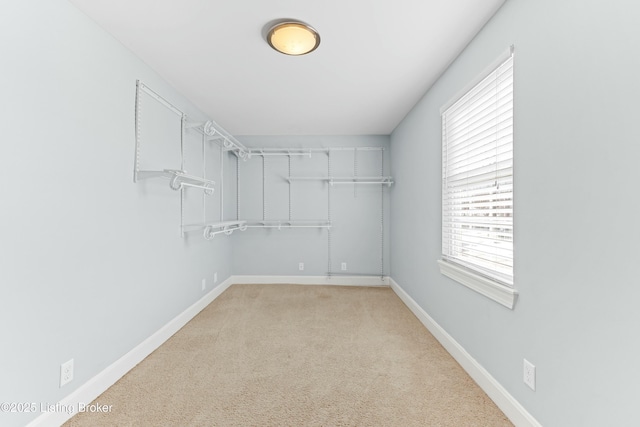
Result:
{"points": [[493, 288]]}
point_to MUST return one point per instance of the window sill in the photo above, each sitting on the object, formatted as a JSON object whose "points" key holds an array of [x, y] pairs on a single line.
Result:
{"points": [[493, 290]]}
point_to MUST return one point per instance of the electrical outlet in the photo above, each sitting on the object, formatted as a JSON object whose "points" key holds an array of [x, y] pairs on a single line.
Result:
{"points": [[529, 374], [215, 277], [301, 266], [204, 284], [343, 266], [66, 372]]}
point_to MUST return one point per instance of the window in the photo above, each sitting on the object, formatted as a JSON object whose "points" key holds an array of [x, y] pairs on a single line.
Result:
{"points": [[477, 185]]}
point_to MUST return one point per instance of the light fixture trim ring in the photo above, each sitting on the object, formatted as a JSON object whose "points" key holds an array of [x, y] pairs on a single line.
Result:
{"points": [[293, 23]]}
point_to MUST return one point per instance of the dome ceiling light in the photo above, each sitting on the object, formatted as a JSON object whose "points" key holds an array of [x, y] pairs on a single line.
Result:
{"points": [[293, 38]]}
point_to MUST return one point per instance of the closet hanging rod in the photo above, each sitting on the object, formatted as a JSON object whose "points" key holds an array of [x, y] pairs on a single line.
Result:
{"points": [[215, 132], [182, 178], [206, 128], [287, 151], [179, 179], [386, 180], [258, 153], [209, 230], [319, 150], [189, 228], [175, 185], [239, 150], [356, 149], [388, 183], [280, 224]]}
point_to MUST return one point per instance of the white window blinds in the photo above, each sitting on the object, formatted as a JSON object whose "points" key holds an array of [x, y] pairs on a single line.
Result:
{"points": [[477, 185]]}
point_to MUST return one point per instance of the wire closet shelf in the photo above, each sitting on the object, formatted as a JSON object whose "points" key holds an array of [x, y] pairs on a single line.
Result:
{"points": [[179, 179]]}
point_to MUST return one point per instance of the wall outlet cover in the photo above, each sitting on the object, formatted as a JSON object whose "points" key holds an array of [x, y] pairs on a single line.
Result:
{"points": [[66, 372], [529, 374]]}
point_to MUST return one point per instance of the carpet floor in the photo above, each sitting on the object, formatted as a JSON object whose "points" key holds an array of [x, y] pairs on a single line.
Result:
{"points": [[293, 355]]}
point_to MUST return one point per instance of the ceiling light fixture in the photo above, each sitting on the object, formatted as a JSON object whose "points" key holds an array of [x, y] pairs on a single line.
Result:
{"points": [[293, 38]]}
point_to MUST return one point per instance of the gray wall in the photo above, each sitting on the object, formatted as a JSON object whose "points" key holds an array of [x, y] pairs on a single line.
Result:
{"points": [[576, 172], [356, 217], [91, 264]]}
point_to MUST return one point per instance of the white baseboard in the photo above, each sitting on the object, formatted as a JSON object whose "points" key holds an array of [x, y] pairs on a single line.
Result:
{"points": [[507, 403], [97, 385], [314, 280], [105, 379]]}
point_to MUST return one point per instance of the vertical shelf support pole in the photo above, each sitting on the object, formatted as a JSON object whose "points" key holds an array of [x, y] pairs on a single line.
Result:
{"points": [[182, 192], [289, 157], [355, 171], [138, 117], [237, 188], [221, 183], [382, 217], [329, 214], [204, 175]]}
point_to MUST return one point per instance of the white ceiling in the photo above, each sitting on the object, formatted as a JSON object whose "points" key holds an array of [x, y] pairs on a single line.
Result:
{"points": [[376, 58]]}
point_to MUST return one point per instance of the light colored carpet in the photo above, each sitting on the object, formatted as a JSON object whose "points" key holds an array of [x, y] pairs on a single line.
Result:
{"points": [[291, 355]]}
